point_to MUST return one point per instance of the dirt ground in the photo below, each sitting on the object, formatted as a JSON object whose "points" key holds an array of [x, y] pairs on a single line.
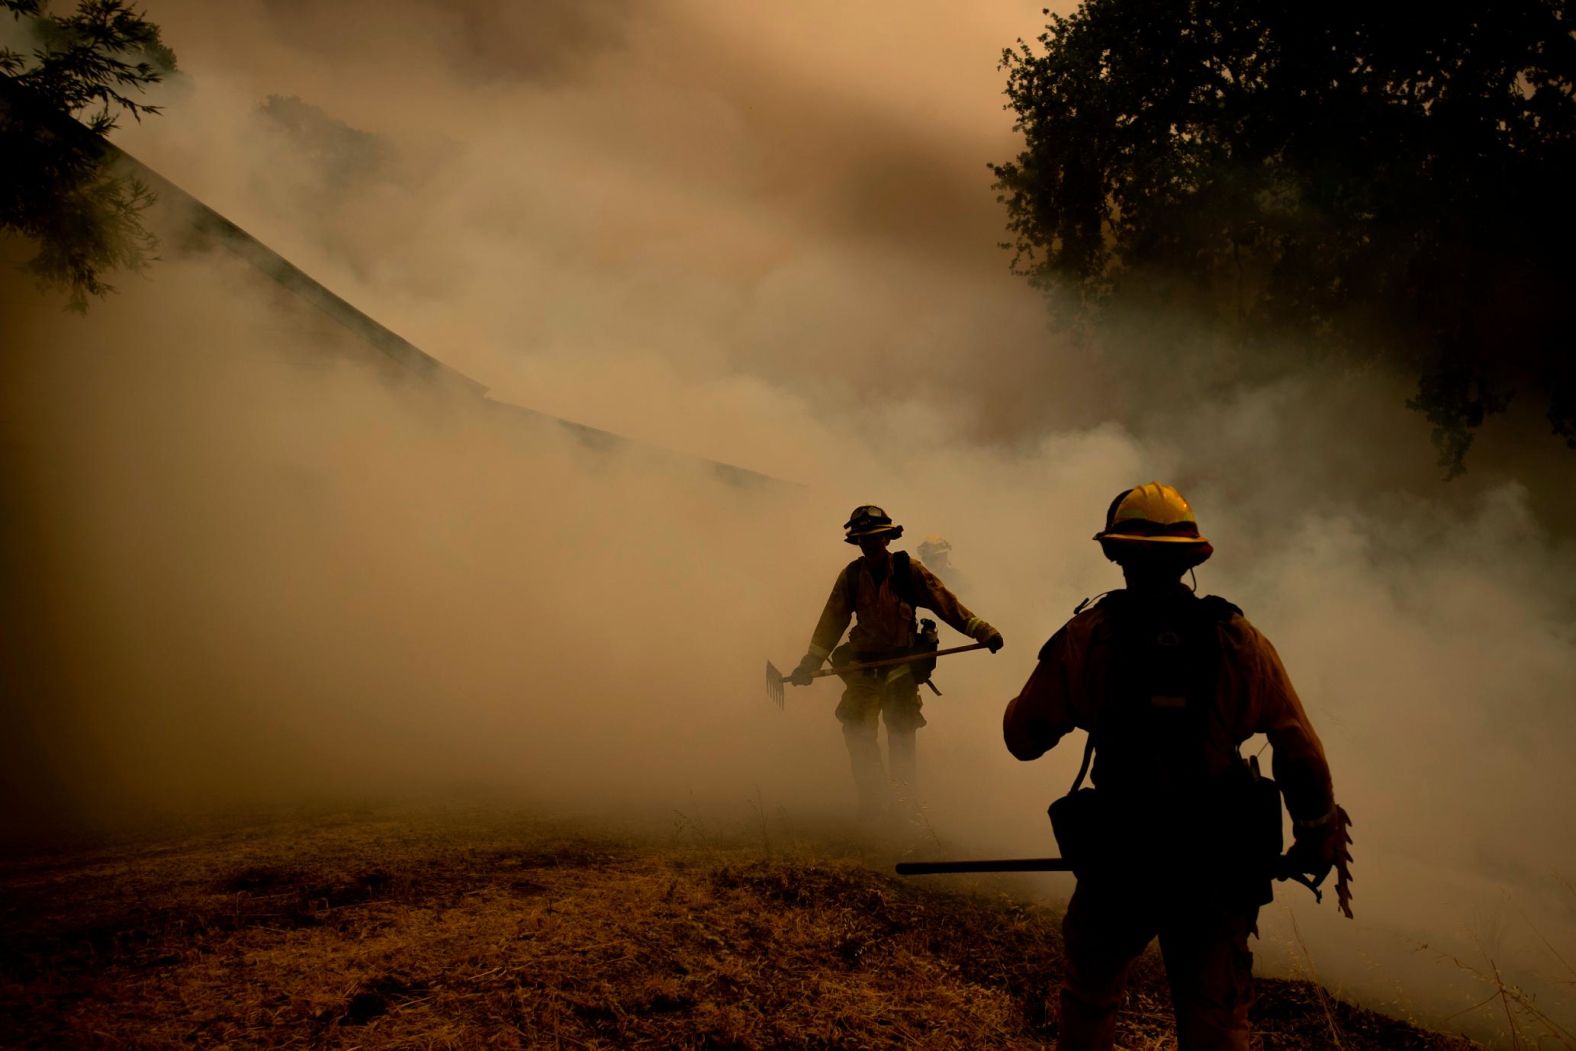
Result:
{"points": [[478, 926]]}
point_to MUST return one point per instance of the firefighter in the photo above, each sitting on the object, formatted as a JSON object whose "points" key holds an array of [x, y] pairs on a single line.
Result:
{"points": [[936, 552], [1169, 685], [881, 590]]}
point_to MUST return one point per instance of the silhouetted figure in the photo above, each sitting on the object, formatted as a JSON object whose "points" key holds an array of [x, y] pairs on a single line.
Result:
{"points": [[880, 591], [1175, 839], [936, 552]]}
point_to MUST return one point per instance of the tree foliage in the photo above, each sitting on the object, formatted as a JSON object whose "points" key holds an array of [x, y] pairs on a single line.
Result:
{"points": [[57, 187], [1390, 180]]}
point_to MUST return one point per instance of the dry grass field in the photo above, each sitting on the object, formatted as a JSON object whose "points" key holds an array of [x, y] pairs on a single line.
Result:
{"points": [[472, 927]]}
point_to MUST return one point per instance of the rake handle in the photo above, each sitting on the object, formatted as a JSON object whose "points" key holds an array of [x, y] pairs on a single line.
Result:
{"points": [[890, 661], [1286, 870], [932, 868]]}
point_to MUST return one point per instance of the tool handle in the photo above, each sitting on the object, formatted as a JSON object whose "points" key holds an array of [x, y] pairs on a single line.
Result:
{"points": [[890, 661], [931, 868], [935, 868]]}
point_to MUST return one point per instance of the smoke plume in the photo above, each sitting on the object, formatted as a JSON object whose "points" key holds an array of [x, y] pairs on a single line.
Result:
{"points": [[243, 568]]}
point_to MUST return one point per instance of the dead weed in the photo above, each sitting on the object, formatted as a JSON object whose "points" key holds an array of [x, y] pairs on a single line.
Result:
{"points": [[463, 930]]}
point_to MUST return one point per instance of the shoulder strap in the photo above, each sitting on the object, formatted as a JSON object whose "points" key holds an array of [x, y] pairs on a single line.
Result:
{"points": [[1219, 608], [1083, 768], [903, 578]]}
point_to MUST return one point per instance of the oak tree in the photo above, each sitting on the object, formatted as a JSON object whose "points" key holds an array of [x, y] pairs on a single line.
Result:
{"points": [[1390, 181], [65, 81]]}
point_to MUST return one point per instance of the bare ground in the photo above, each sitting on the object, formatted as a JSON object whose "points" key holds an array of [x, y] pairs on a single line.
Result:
{"points": [[483, 927]]}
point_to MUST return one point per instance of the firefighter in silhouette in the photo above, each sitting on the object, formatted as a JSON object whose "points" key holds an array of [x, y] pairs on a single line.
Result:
{"points": [[880, 591], [1174, 841], [936, 552]]}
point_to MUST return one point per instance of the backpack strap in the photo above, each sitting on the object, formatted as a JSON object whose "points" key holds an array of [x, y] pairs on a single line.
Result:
{"points": [[904, 588], [903, 578], [1219, 608], [1083, 768]]}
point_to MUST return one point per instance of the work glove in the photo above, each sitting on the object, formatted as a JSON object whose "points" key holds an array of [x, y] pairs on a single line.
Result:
{"points": [[1322, 845], [990, 637], [804, 674], [1316, 846]]}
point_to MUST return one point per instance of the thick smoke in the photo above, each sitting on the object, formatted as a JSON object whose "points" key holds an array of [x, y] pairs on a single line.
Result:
{"points": [[243, 569]]}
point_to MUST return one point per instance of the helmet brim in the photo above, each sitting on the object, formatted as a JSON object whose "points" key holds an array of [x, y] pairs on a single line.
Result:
{"points": [[1178, 551], [893, 531], [1142, 538]]}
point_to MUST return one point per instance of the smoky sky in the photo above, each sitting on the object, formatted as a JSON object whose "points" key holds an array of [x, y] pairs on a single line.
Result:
{"points": [[243, 570]]}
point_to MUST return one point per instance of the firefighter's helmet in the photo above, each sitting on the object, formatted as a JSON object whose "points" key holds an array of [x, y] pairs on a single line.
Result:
{"points": [[869, 520], [933, 547], [1148, 519]]}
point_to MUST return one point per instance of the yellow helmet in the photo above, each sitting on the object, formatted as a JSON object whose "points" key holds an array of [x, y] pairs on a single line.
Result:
{"points": [[1153, 517]]}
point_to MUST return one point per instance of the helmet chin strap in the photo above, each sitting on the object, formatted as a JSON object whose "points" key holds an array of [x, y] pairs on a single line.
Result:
{"points": [[1194, 576]]}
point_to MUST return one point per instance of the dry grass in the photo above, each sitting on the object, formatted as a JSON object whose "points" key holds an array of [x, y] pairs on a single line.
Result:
{"points": [[483, 928]]}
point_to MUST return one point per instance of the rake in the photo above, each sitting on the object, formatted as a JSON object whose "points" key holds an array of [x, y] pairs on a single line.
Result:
{"points": [[775, 679]]}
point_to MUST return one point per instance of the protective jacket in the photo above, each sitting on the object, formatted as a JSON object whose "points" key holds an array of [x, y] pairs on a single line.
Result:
{"points": [[885, 621], [1169, 685], [1086, 668]]}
